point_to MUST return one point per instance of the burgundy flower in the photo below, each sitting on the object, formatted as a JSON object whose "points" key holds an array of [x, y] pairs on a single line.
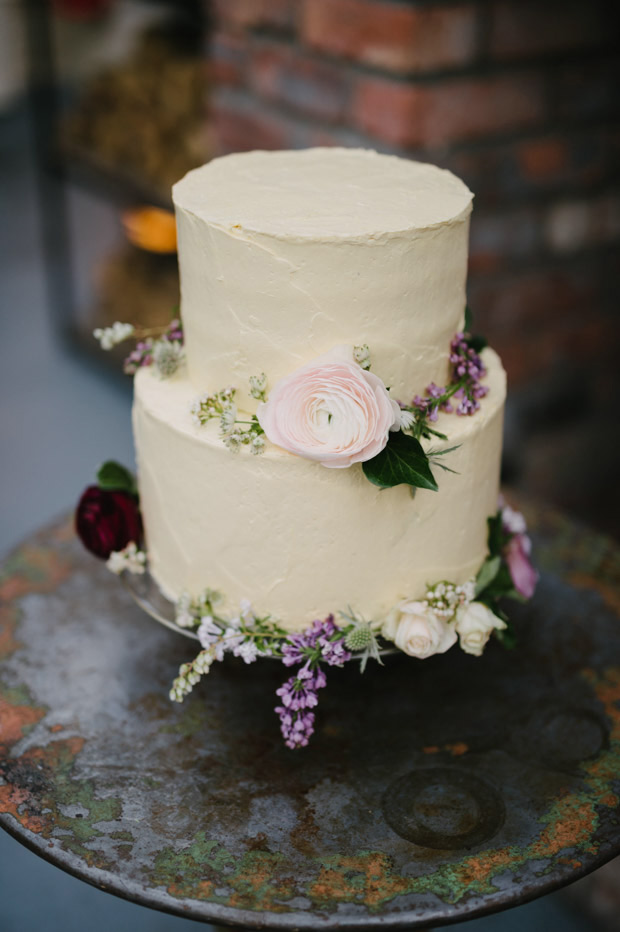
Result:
{"points": [[107, 521]]}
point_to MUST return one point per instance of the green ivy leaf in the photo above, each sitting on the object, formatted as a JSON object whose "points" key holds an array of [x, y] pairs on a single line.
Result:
{"points": [[506, 636], [402, 461], [487, 573], [477, 343], [495, 539], [501, 586], [115, 478], [468, 319]]}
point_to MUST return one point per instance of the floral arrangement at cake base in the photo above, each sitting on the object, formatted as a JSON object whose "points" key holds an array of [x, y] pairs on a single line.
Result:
{"points": [[466, 614]]}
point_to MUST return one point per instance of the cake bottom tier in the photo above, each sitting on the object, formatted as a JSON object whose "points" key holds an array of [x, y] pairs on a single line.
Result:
{"points": [[295, 538]]}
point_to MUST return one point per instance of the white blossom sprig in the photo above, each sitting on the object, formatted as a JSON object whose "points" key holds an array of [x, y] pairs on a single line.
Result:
{"points": [[236, 432], [130, 559], [445, 598], [111, 336], [258, 387], [361, 355], [190, 674], [243, 634]]}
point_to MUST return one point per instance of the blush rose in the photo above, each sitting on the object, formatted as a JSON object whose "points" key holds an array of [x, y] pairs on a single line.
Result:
{"points": [[330, 411]]}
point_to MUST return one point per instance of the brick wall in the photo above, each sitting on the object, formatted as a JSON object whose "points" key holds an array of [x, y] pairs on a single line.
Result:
{"points": [[520, 99]]}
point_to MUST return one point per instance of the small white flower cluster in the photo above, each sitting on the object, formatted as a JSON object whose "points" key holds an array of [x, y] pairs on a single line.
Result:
{"points": [[361, 355], [112, 336], [513, 521], [230, 635], [190, 674], [222, 405], [130, 558], [407, 419], [445, 598], [167, 356], [190, 610], [258, 386], [217, 635]]}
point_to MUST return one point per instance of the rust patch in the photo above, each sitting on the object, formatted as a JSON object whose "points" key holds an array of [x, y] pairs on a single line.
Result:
{"points": [[456, 749], [365, 878], [609, 592], [16, 718], [14, 801], [32, 569], [8, 621], [202, 890]]}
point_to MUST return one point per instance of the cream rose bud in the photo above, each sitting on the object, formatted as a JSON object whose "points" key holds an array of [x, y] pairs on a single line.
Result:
{"points": [[416, 630], [330, 411], [474, 624]]}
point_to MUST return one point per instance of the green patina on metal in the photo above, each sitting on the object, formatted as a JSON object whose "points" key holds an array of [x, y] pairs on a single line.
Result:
{"points": [[252, 881], [122, 836], [191, 718], [369, 878], [45, 797], [39, 783]]}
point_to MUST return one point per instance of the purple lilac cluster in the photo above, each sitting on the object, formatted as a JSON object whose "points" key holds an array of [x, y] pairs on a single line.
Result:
{"points": [[467, 371], [142, 354], [432, 404], [319, 642], [299, 695], [467, 366]]}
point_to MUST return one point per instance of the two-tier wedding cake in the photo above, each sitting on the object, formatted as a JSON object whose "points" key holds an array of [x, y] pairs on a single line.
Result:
{"points": [[284, 256], [318, 439]]}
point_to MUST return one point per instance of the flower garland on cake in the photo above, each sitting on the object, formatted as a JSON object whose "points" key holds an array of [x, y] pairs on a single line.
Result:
{"points": [[109, 525], [335, 412]]}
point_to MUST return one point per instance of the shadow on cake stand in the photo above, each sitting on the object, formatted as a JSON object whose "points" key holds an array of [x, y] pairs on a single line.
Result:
{"points": [[433, 791]]}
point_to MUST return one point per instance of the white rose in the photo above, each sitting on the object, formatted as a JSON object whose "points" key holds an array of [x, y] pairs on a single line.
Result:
{"points": [[474, 624], [416, 630]]}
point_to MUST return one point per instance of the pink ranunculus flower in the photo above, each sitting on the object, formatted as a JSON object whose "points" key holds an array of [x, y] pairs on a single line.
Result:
{"points": [[523, 574], [330, 411]]}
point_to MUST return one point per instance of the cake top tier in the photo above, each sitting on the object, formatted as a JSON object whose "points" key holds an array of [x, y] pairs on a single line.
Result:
{"points": [[325, 193]]}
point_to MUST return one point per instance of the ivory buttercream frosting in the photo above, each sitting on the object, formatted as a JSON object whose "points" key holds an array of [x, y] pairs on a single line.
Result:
{"points": [[284, 256]]}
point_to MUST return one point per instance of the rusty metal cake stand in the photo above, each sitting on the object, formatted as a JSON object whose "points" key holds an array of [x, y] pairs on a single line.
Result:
{"points": [[433, 791]]}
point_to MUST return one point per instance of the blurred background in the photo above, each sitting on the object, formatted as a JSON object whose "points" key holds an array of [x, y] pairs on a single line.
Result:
{"points": [[104, 103]]}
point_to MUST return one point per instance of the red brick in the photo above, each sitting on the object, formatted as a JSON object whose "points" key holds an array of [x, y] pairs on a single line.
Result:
{"points": [[558, 305], [393, 36], [587, 90], [280, 74], [520, 28], [542, 158], [242, 128], [504, 172], [498, 238], [226, 60], [447, 111], [573, 225], [250, 14]]}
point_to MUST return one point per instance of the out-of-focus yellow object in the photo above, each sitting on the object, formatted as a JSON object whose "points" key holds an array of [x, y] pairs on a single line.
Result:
{"points": [[151, 228]]}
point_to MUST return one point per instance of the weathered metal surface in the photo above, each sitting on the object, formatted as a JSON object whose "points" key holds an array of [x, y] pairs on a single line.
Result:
{"points": [[433, 791]]}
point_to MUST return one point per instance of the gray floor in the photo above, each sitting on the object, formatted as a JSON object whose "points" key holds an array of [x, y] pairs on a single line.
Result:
{"points": [[59, 419]]}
